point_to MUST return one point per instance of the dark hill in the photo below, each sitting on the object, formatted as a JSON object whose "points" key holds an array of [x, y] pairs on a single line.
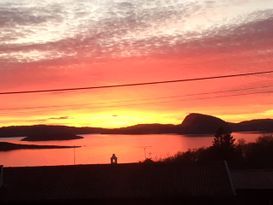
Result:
{"points": [[265, 125], [196, 123], [144, 129], [47, 132], [51, 133]]}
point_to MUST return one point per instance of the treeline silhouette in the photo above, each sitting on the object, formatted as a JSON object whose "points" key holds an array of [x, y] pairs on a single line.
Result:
{"points": [[258, 154]]}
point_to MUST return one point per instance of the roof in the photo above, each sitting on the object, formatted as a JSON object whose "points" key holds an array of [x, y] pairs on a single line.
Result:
{"points": [[253, 179], [123, 180]]}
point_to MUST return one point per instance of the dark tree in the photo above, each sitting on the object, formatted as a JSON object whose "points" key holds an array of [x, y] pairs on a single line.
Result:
{"points": [[223, 140], [223, 144]]}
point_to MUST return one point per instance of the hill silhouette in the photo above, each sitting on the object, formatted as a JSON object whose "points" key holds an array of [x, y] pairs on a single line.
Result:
{"points": [[144, 129], [52, 133], [194, 123], [265, 125]]}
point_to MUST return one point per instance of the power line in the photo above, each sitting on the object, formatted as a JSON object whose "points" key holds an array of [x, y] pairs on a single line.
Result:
{"points": [[86, 106], [137, 84], [142, 99]]}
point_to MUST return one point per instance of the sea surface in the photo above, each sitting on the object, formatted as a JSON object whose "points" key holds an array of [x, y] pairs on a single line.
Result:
{"points": [[97, 149]]}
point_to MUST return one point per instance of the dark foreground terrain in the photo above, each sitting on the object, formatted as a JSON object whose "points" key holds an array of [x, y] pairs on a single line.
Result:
{"points": [[143, 183]]}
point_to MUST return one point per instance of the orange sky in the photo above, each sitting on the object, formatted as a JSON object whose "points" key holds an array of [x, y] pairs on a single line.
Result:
{"points": [[72, 44]]}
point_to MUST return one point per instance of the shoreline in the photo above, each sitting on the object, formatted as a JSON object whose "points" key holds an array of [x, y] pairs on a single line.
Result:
{"points": [[7, 146]]}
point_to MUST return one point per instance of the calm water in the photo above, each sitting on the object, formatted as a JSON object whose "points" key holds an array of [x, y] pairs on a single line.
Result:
{"points": [[97, 149]]}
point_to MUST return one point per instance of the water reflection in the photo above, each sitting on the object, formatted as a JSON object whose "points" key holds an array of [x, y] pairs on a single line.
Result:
{"points": [[97, 149]]}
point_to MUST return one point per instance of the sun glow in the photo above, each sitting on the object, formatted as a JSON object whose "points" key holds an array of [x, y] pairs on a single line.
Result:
{"points": [[108, 119], [117, 118]]}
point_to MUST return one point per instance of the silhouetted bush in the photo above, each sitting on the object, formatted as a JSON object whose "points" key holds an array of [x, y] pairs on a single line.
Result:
{"points": [[249, 155], [260, 153]]}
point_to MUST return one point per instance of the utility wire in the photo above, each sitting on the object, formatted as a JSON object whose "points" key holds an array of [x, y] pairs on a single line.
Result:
{"points": [[137, 84], [154, 101], [142, 99]]}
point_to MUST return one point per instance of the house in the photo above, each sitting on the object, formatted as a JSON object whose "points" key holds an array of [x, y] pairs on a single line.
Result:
{"points": [[125, 181], [254, 185]]}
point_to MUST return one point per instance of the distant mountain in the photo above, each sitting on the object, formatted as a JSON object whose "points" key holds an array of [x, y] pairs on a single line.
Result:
{"points": [[46, 131], [265, 125], [194, 123], [144, 129], [39, 133]]}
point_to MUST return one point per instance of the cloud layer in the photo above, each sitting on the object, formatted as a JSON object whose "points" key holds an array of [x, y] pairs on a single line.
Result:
{"points": [[69, 29]]}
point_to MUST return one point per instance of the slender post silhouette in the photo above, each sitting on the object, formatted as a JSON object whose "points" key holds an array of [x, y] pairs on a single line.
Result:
{"points": [[74, 155], [144, 148]]}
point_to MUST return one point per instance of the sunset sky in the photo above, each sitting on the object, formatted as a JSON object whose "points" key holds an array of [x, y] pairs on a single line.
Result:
{"points": [[75, 43]]}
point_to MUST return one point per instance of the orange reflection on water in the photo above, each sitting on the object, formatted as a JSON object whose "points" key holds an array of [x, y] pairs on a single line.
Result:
{"points": [[97, 149]]}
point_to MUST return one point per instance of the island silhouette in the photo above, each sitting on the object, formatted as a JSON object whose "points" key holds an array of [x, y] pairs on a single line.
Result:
{"points": [[193, 123], [7, 146]]}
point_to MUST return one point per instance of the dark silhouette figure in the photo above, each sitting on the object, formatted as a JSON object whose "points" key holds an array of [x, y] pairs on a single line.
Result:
{"points": [[114, 159]]}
